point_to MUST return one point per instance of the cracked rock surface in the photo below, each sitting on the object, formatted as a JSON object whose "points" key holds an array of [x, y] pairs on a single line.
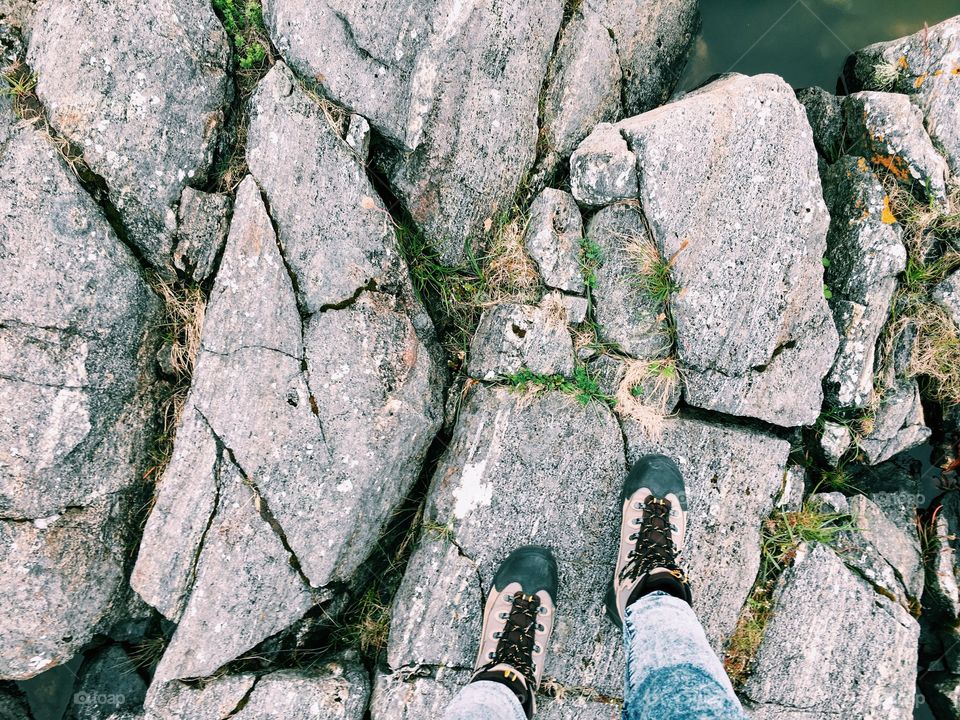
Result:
{"points": [[309, 503], [76, 332], [141, 90]]}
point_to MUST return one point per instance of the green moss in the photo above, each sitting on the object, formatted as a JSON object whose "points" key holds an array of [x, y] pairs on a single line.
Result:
{"points": [[243, 21], [583, 386]]}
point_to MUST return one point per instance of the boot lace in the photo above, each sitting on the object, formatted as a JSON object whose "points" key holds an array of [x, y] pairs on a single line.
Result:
{"points": [[517, 641], [654, 543]]}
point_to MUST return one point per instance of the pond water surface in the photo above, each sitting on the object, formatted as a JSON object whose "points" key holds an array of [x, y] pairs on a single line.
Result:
{"points": [[804, 41]]}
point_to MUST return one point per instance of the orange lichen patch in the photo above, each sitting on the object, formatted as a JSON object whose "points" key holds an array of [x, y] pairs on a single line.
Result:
{"points": [[938, 72], [895, 164], [902, 62], [919, 81], [866, 214], [887, 216], [956, 70], [862, 165]]}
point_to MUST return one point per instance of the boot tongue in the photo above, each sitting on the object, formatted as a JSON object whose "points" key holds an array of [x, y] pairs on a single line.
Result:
{"points": [[659, 578]]}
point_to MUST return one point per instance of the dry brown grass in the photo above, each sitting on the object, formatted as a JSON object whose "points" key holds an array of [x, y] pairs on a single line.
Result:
{"points": [[510, 275], [184, 306], [645, 392], [932, 238]]}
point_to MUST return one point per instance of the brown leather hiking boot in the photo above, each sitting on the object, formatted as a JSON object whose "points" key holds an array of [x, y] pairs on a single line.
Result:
{"points": [[652, 529], [517, 623]]}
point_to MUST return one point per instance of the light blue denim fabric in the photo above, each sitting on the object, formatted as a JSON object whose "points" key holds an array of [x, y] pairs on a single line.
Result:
{"points": [[485, 700], [672, 672]]}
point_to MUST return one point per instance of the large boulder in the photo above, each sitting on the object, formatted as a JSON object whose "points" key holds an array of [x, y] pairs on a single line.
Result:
{"points": [[77, 326], [833, 646], [923, 65], [140, 88], [613, 59], [298, 439], [454, 86], [865, 255], [729, 185], [539, 468], [337, 690]]}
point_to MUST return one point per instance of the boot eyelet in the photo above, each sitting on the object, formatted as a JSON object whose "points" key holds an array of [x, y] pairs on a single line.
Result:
{"points": [[503, 616], [638, 505], [508, 599], [540, 627], [491, 655], [542, 610], [536, 648], [497, 635]]}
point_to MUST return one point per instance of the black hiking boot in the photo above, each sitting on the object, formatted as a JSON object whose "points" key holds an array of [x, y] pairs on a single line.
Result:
{"points": [[652, 529], [517, 623]]}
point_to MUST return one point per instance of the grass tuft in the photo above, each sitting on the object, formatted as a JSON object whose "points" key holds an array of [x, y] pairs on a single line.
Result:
{"points": [[243, 21], [457, 295], [932, 239], [654, 275], [645, 392], [584, 386]]}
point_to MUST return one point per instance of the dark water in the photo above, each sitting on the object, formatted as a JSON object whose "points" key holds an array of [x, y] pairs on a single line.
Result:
{"points": [[805, 41]]}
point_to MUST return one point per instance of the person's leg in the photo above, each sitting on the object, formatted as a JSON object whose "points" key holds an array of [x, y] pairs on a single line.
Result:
{"points": [[517, 623], [672, 672], [485, 700]]}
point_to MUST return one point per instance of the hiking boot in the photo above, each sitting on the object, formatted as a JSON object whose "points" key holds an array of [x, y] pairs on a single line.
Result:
{"points": [[517, 622], [652, 530]]}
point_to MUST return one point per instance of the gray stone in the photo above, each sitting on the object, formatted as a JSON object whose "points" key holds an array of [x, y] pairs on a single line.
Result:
{"points": [[833, 647], [887, 129], [729, 184], [454, 86], [317, 187], [612, 59], [246, 585], [180, 701], [317, 430], [733, 476], [105, 75], [358, 136], [865, 255], [75, 562], [338, 691], [944, 576], [626, 315], [850, 382], [511, 337], [947, 294], [108, 682], [880, 550], [17, 12], [925, 66], [898, 424], [576, 308], [835, 441], [76, 347], [507, 453], [202, 227], [553, 236], [824, 113], [74, 315], [793, 489], [603, 169]]}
